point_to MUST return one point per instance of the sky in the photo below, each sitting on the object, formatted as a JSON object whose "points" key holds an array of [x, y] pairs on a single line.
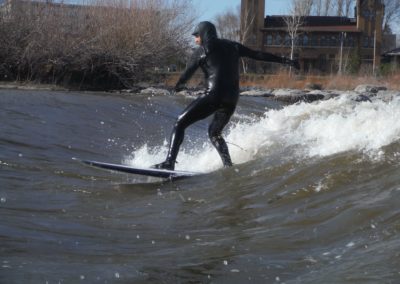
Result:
{"points": [[208, 9]]}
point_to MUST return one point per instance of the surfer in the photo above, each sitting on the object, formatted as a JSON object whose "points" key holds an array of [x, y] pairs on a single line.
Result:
{"points": [[219, 61]]}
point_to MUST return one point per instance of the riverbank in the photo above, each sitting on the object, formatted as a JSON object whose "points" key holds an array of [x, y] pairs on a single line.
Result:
{"points": [[300, 81], [281, 80], [308, 93], [291, 96], [326, 82]]}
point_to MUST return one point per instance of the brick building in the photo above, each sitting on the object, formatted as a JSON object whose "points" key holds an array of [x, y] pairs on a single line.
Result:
{"points": [[323, 41]]}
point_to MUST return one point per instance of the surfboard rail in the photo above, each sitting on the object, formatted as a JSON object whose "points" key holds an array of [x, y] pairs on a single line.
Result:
{"points": [[160, 173]]}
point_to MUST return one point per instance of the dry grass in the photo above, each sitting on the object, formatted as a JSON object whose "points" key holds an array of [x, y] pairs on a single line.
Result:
{"points": [[344, 82], [284, 80]]}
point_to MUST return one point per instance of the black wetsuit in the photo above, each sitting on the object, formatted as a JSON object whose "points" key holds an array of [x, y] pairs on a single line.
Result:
{"points": [[219, 61]]}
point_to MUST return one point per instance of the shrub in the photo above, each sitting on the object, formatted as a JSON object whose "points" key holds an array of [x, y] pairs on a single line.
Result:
{"points": [[101, 43]]}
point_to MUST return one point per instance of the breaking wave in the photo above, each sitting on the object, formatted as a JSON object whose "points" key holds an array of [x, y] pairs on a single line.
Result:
{"points": [[302, 130]]}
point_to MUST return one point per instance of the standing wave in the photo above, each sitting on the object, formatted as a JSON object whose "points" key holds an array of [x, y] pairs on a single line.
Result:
{"points": [[302, 130]]}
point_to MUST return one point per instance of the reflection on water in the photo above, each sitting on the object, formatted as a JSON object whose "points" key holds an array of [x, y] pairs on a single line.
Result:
{"points": [[312, 197]]}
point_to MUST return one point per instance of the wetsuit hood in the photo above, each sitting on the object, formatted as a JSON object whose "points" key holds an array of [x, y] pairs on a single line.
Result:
{"points": [[206, 31]]}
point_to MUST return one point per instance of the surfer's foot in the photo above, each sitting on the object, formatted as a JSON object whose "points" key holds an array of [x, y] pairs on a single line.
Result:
{"points": [[167, 165], [227, 162], [228, 165]]}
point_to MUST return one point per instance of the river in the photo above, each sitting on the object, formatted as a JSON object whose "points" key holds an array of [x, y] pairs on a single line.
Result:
{"points": [[313, 196]]}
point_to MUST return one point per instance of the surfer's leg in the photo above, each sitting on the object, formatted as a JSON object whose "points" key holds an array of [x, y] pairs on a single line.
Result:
{"points": [[197, 110], [221, 119]]}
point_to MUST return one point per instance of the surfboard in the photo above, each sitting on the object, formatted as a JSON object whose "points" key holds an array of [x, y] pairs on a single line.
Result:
{"points": [[160, 173]]}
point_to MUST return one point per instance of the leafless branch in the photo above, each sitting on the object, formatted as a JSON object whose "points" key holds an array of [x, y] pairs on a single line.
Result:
{"points": [[100, 40]]}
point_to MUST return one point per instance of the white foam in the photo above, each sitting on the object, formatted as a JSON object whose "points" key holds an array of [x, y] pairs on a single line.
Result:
{"points": [[318, 129], [341, 125]]}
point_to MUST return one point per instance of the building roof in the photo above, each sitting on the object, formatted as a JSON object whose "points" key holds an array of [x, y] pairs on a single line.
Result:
{"points": [[394, 52], [311, 21], [314, 24], [347, 29]]}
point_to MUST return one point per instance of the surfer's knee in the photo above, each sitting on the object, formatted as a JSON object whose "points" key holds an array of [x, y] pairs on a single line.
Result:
{"points": [[182, 122], [178, 123]]}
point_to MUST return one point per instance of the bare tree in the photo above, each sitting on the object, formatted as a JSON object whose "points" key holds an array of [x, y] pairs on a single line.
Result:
{"points": [[327, 7], [318, 7], [392, 14], [228, 25], [339, 7], [246, 24], [342, 8], [303, 7], [294, 21], [348, 4]]}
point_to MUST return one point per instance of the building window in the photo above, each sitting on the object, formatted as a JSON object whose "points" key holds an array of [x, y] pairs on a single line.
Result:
{"points": [[298, 41], [269, 40], [349, 41], [287, 40], [333, 40], [366, 42], [305, 40], [278, 39], [323, 41], [314, 40]]}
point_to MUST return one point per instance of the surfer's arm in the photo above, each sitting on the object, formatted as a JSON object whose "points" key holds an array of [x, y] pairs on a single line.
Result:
{"points": [[265, 56], [192, 66]]}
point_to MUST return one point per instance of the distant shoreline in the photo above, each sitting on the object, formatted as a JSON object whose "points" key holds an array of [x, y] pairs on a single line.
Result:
{"points": [[263, 81], [363, 92]]}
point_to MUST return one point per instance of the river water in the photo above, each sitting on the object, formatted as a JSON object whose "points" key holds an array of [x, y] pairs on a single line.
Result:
{"points": [[313, 196]]}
